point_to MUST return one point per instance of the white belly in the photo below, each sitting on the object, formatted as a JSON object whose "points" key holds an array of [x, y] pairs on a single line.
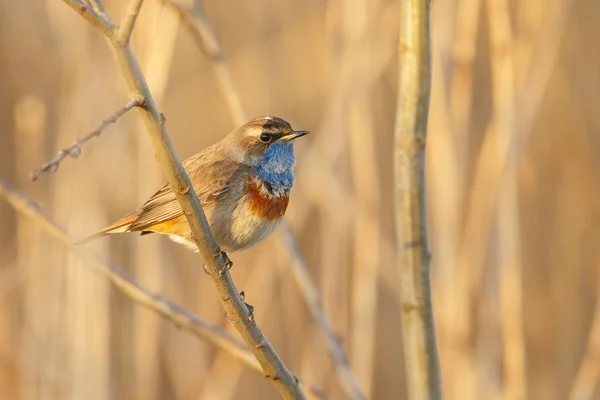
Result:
{"points": [[240, 229]]}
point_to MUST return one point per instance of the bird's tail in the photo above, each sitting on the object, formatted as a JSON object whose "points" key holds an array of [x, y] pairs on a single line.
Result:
{"points": [[120, 226]]}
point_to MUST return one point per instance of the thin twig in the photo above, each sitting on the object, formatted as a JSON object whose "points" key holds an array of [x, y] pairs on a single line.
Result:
{"points": [[75, 149], [206, 39], [216, 262], [180, 316], [87, 12], [123, 35], [418, 333], [98, 7]]}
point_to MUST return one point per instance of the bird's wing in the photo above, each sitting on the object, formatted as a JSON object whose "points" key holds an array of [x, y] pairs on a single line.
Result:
{"points": [[212, 179]]}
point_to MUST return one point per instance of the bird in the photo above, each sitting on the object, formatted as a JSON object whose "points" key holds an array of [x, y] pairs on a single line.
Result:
{"points": [[243, 182]]}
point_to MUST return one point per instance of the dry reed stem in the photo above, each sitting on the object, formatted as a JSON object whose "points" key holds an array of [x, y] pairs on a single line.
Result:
{"points": [[75, 149], [463, 57], [418, 332], [364, 168], [206, 39], [216, 261], [489, 167], [31, 125], [155, 36], [181, 317], [315, 306], [461, 364], [510, 280], [452, 316], [587, 378]]}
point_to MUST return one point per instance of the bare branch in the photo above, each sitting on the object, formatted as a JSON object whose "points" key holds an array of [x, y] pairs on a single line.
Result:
{"points": [[98, 7], [75, 149], [216, 262], [87, 12], [125, 30], [418, 333], [180, 316]]}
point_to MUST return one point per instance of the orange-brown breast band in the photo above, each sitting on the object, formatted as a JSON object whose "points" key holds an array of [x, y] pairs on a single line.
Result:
{"points": [[263, 205]]}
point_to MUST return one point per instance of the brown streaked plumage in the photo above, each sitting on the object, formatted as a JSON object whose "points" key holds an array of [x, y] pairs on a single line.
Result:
{"points": [[243, 183]]}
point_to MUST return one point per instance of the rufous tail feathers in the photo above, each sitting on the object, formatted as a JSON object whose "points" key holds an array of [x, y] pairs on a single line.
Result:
{"points": [[120, 226]]}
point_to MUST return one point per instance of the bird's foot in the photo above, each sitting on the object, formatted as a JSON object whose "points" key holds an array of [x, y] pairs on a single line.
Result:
{"points": [[250, 311], [250, 307], [227, 263]]}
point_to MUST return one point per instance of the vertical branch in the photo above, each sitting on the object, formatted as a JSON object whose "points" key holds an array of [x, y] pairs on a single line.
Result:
{"points": [[418, 332]]}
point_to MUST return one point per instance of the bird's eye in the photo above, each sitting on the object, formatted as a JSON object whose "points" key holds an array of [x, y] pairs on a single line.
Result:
{"points": [[265, 137]]}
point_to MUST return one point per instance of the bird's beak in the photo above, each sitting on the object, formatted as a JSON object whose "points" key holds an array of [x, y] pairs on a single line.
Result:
{"points": [[292, 136]]}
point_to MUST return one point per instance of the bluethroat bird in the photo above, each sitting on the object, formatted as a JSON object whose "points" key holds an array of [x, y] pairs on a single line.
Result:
{"points": [[243, 183]]}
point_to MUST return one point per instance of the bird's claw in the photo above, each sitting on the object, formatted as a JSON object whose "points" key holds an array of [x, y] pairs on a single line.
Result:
{"points": [[227, 263], [250, 308], [250, 311]]}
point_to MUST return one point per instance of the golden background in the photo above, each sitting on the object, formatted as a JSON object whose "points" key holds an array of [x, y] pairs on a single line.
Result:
{"points": [[514, 287]]}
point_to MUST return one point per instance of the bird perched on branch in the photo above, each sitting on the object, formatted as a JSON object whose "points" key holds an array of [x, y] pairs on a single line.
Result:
{"points": [[243, 183]]}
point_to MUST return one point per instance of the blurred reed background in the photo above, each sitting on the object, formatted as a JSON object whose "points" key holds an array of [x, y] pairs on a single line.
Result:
{"points": [[512, 183]]}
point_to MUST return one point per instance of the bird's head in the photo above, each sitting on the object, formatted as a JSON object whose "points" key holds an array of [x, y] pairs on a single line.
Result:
{"points": [[265, 141]]}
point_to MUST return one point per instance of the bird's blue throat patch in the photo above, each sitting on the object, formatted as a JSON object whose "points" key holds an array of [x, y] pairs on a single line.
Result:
{"points": [[276, 167]]}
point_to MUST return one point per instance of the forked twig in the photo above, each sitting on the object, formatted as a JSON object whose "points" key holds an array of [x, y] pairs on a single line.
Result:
{"points": [[180, 316], [123, 34], [100, 21], [75, 149]]}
